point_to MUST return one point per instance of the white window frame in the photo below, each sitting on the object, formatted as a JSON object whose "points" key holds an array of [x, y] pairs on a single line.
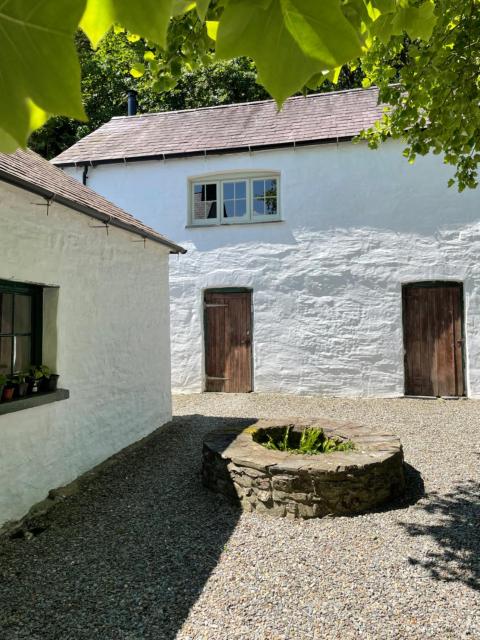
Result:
{"points": [[219, 180]]}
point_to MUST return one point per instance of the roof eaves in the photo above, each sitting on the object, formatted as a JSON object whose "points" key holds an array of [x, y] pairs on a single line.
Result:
{"points": [[204, 152], [94, 213]]}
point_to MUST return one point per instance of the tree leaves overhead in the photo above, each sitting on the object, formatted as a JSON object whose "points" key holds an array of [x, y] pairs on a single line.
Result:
{"points": [[432, 87], [322, 31], [148, 18], [263, 36], [294, 43], [39, 65]]}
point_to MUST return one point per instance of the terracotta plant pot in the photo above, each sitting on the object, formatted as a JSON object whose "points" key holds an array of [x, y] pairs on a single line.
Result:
{"points": [[8, 393]]}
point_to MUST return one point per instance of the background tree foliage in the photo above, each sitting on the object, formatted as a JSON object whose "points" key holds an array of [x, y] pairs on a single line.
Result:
{"points": [[435, 101], [106, 78]]}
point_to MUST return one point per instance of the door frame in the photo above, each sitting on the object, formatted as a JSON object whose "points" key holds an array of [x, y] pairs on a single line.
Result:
{"points": [[221, 290], [436, 284]]}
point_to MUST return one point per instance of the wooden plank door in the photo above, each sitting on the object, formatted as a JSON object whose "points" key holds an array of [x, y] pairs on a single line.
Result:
{"points": [[228, 341], [433, 339]]}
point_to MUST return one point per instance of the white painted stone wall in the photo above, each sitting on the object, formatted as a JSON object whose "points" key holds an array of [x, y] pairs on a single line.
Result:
{"points": [[108, 340], [327, 279]]}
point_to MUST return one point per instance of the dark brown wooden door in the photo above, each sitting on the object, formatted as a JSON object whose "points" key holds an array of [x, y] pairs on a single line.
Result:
{"points": [[228, 341], [433, 339]]}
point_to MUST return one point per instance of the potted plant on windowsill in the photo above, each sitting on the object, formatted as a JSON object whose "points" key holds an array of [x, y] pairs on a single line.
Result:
{"points": [[38, 378], [8, 390], [21, 384], [52, 381], [41, 379]]}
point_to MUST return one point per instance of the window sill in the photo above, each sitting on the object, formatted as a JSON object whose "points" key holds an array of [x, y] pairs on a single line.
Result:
{"points": [[34, 400], [231, 224]]}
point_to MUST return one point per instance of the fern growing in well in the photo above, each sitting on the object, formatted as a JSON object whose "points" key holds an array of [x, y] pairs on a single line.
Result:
{"points": [[310, 441]]}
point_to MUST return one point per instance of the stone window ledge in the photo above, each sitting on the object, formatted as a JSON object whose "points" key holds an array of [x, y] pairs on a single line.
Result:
{"points": [[35, 400]]}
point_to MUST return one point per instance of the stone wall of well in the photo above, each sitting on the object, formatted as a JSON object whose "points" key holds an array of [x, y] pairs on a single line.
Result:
{"points": [[295, 485]]}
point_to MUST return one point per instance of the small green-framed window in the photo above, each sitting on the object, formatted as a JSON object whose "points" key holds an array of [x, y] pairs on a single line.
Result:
{"points": [[20, 327]]}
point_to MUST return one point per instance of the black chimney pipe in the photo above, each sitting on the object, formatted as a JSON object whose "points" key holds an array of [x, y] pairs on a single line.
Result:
{"points": [[132, 102]]}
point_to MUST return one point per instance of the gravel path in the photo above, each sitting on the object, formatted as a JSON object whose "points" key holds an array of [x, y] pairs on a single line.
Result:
{"points": [[145, 552]]}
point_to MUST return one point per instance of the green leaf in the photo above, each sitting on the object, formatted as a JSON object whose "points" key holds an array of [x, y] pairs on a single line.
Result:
{"points": [[383, 28], [38, 63], [321, 30], [182, 6], [248, 29], [212, 29], [384, 6], [137, 70], [202, 8], [150, 18], [7, 143], [418, 22]]}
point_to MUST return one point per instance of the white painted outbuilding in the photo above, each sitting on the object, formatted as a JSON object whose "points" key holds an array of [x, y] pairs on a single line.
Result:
{"points": [[319, 265], [91, 305]]}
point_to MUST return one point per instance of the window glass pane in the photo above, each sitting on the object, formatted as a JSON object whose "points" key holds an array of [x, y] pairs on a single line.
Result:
{"points": [[22, 353], [240, 190], [271, 206], [211, 191], [204, 201], [228, 208], [228, 190], [271, 188], [240, 208], [23, 314], [259, 206], [258, 188], [198, 202], [6, 300], [211, 210], [6, 355]]}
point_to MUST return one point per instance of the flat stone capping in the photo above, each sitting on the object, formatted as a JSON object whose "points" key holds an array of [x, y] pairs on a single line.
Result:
{"points": [[35, 400], [305, 486]]}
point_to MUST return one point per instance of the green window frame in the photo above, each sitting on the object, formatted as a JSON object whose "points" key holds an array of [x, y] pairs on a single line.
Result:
{"points": [[21, 329]]}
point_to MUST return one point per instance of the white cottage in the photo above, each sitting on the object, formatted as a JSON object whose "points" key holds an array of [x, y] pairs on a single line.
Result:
{"points": [[314, 264], [84, 291]]}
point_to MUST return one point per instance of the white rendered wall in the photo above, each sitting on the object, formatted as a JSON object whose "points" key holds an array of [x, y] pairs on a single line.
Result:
{"points": [[327, 279], [112, 345]]}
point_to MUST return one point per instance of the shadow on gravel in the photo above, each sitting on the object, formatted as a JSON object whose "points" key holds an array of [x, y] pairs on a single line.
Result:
{"points": [[128, 556], [455, 528]]}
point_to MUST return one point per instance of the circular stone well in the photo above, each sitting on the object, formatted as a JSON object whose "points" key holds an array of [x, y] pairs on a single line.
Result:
{"points": [[305, 486]]}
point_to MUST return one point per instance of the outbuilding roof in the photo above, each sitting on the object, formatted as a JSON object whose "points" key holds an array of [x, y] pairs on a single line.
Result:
{"points": [[314, 119], [27, 170]]}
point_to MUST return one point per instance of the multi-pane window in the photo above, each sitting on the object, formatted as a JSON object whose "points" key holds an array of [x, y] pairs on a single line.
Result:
{"points": [[20, 327], [235, 199]]}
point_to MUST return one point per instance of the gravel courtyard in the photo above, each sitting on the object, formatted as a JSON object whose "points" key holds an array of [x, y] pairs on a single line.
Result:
{"points": [[145, 552]]}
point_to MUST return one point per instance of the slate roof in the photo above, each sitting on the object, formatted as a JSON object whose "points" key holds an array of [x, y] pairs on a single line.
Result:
{"points": [[318, 118], [30, 171]]}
